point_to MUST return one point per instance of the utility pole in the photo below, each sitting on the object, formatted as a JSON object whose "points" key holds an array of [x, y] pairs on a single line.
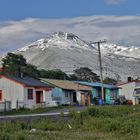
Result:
{"points": [[100, 65]]}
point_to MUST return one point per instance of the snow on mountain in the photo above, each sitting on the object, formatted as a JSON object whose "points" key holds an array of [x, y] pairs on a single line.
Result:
{"points": [[67, 52], [133, 52], [61, 40]]}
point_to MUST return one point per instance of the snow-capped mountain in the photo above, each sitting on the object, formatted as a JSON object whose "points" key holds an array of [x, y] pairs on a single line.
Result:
{"points": [[67, 52], [61, 40], [133, 52]]}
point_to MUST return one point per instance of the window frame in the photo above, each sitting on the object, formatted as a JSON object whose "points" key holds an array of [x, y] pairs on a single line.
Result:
{"points": [[66, 94], [30, 94]]}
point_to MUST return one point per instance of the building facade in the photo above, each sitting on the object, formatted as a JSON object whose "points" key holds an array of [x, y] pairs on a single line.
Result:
{"points": [[69, 93], [24, 92], [131, 91], [111, 92]]}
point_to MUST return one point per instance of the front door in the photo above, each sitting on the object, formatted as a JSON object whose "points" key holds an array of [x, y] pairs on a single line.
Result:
{"points": [[82, 99], [74, 97], [39, 97]]}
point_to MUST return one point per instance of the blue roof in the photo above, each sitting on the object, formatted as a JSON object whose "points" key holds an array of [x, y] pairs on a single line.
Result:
{"points": [[29, 81], [97, 84]]}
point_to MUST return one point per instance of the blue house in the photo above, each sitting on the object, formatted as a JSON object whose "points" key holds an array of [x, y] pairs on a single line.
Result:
{"points": [[69, 92], [111, 92]]}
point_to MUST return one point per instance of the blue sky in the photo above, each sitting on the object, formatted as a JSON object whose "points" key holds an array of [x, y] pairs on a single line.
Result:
{"points": [[21, 9]]}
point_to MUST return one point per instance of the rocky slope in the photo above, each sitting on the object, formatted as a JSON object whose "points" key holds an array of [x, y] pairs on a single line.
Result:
{"points": [[67, 51]]}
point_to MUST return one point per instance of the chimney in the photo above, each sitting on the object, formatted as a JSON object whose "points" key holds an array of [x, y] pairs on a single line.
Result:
{"points": [[129, 79], [19, 73]]}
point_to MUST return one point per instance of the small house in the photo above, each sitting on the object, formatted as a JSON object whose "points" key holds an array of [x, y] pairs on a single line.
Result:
{"points": [[24, 92], [69, 92], [131, 91], [111, 92]]}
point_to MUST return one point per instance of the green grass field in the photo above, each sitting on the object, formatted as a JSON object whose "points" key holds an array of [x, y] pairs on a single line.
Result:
{"points": [[95, 123]]}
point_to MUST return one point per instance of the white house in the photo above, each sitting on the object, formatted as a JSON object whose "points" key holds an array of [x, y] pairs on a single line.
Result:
{"points": [[27, 92], [131, 91]]}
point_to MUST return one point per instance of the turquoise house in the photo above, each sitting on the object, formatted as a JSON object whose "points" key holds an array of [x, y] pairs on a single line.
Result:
{"points": [[111, 92]]}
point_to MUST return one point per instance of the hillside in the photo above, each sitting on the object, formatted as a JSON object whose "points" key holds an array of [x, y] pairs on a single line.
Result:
{"points": [[67, 52]]}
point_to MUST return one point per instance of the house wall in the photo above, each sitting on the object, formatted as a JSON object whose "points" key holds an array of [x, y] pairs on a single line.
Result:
{"points": [[48, 97], [62, 96], [137, 84], [57, 94], [107, 96], [67, 97], [111, 95], [11, 91], [78, 95], [127, 90], [29, 103]]}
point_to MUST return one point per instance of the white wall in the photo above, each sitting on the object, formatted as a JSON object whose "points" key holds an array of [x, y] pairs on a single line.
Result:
{"points": [[28, 103], [127, 90], [11, 91], [137, 84], [48, 96], [78, 95]]}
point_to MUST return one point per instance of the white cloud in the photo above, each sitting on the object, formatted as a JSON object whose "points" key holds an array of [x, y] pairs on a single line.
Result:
{"points": [[123, 30]]}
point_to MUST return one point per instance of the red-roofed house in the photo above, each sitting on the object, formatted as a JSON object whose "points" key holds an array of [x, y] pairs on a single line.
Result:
{"points": [[27, 92]]}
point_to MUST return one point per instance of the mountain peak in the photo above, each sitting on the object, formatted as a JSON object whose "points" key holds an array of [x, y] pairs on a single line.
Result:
{"points": [[62, 40], [69, 36]]}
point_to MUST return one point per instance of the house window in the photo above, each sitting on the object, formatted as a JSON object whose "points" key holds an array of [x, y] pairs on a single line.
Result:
{"points": [[30, 94], [0, 95], [66, 94]]}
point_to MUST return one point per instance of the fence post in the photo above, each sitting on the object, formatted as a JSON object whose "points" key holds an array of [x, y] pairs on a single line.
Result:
{"points": [[5, 105], [17, 105]]}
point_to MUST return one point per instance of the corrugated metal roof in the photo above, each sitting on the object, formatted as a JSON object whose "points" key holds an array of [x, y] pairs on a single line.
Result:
{"points": [[96, 84], [29, 81], [67, 85]]}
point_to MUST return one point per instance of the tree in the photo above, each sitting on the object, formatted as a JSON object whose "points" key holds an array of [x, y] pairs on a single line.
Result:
{"points": [[31, 71], [73, 77], [86, 74], [12, 62], [53, 74], [15, 64], [108, 80]]}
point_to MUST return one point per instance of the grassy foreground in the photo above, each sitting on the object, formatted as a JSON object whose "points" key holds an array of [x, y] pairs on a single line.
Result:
{"points": [[95, 123]]}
